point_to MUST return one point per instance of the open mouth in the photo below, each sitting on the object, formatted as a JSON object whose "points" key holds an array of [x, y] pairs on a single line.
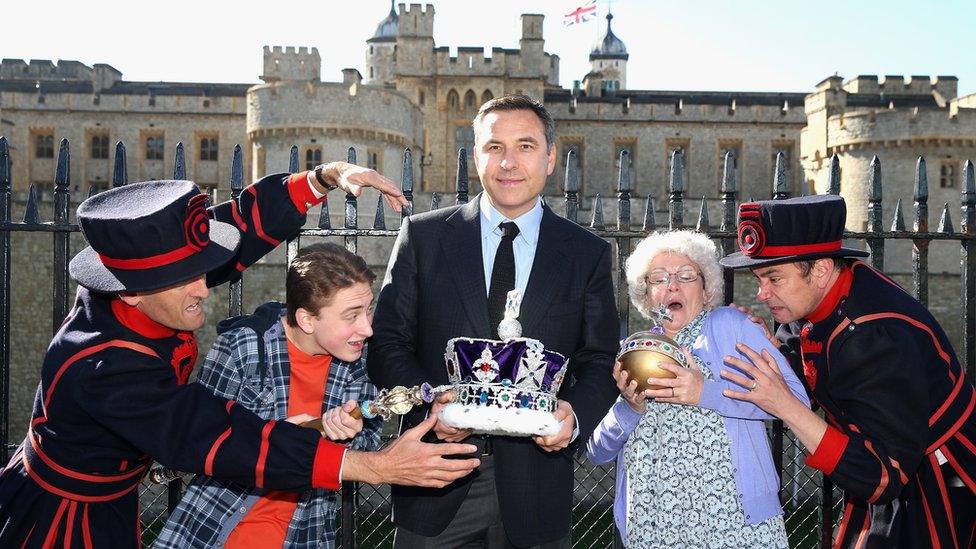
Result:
{"points": [[674, 306]]}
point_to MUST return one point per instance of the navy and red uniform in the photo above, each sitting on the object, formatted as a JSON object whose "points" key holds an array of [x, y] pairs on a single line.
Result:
{"points": [[113, 397], [901, 436]]}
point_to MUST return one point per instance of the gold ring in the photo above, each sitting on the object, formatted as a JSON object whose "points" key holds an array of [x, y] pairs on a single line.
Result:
{"points": [[754, 384]]}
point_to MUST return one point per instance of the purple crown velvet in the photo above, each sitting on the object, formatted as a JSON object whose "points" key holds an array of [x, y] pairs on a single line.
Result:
{"points": [[516, 373]]}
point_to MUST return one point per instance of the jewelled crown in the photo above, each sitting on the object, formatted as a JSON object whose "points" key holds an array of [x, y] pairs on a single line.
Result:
{"points": [[504, 386]]}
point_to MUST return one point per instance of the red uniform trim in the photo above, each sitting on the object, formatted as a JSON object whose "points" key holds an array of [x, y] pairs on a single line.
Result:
{"points": [[840, 328], [256, 219], [65, 494], [797, 249], [884, 473], [829, 451], [933, 536], [300, 192], [840, 289], [240, 267], [208, 464], [263, 454], [955, 426], [901, 474], [845, 520], [945, 405], [72, 508], [31, 531], [967, 480], [90, 351], [327, 465], [236, 214], [137, 321], [52, 532], [935, 341], [940, 481], [85, 529], [230, 404], [153, 261], [75, 474], [865, 528]]}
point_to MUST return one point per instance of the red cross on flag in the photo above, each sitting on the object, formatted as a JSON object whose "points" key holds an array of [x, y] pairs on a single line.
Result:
{"points": [[582, 14]]}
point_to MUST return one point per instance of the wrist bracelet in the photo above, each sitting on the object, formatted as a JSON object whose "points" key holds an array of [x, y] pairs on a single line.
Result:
{"points": [[318, 177]]}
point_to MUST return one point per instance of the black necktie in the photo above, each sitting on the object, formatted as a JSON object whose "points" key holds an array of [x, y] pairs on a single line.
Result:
{"points": [[502, 276]]}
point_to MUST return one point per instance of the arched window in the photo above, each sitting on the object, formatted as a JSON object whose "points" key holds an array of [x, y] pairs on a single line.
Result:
{"points": [[486, 97], [469, 99], [452, 99]]}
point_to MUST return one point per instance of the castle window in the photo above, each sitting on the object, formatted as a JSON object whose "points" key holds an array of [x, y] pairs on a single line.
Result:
{"points": [[373, 159], [44, 146], [313, 157], [620, 146], [154, 147], [99, 147], [469, 99], [371, 72], [486, 97], [947, 175], [421, 97], [208, 148], [452, 99], [371, 50], [464, 139]]}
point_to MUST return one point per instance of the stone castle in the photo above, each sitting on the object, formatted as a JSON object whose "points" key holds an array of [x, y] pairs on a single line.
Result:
{"points": [[415, 94]]}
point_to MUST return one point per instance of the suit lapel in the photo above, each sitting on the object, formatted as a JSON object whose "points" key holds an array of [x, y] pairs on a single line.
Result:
{"points": [[548, 272], [462, 249]]}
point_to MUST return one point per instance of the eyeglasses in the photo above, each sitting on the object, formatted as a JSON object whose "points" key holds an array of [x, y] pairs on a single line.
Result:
{"points": [[683, 276]]}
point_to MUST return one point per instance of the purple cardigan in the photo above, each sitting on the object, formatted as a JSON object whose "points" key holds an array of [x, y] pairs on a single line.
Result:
{"points": [[752, 461]]}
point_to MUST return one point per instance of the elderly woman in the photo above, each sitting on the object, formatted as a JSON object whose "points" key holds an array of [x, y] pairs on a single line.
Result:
{"points": [[694, 467]]}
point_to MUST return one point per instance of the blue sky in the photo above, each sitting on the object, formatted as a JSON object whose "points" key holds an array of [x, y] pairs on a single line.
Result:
{"points": [[745, 45]]}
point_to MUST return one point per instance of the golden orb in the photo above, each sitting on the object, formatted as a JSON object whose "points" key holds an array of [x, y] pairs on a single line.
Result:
{"points": [[642, 354]]}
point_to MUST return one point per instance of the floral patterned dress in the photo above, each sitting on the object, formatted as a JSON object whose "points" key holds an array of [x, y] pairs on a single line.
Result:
{"points": [[680, 481]]}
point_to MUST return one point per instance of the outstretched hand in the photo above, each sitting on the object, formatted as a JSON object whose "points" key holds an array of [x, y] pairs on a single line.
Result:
{"points": [[410, 462], [352, 178]]}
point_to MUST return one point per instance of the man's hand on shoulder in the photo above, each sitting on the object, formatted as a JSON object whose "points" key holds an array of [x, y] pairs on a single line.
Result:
{"points": [[564, 414]]}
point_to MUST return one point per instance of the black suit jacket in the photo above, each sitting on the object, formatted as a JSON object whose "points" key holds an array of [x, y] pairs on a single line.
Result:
{"points": [[435, 290]]}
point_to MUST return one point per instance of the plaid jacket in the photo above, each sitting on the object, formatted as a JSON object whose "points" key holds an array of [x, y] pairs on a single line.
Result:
{"points": [[210, 508]]}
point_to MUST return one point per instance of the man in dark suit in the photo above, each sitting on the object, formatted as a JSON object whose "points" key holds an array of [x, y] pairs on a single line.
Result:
{"points": [[447, 277]]}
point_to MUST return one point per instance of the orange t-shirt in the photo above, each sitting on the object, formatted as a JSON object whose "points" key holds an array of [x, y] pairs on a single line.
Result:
{"points": [[266, 524]]}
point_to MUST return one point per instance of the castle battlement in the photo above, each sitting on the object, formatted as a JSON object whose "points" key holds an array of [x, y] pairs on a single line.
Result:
{"points": [[416, 20], [290, 63], [945, 86], [902, 126], [675, 106]]}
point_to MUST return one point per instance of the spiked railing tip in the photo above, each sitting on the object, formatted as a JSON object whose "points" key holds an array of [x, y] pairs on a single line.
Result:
{"points": [[379, 220], [833, 176], [293, 159], [179, 166], [597, 221], [945, 223], [874, 186], [702, 225], [237, 170], [898, 221], [921, 187], [120, 172]]}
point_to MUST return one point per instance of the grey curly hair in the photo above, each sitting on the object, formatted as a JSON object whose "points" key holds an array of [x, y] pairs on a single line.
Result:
{"points": [[696, 246]]}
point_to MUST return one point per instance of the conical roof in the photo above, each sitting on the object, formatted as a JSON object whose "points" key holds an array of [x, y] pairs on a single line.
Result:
{"points": [[386, 31], [609, 47]]}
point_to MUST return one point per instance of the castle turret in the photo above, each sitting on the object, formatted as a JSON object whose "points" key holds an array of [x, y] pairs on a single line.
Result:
{"points": [[609, 58], [414, 55], [381, 49], [291, 64]]}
